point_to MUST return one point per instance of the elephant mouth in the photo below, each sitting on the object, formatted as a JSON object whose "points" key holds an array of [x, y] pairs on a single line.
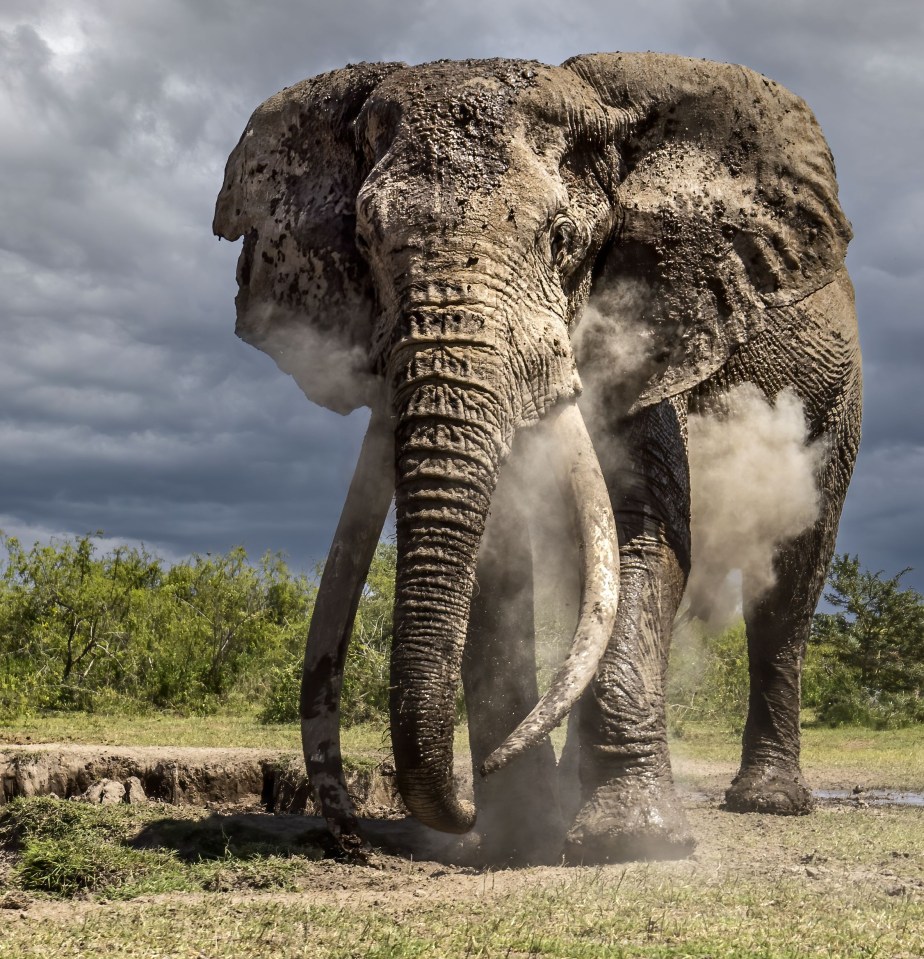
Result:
{"points": [[581, 484], [245, 260]]}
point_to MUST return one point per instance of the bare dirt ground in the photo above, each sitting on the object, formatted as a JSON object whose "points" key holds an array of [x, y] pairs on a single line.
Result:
{"points": [[237, 785], [848, 880], [188, 775]]}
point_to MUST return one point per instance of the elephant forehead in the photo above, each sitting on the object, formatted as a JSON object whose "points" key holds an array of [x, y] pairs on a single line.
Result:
{"points": [[459, 119]]}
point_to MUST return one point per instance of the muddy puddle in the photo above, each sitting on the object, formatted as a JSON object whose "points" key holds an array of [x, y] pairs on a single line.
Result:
{"points": [[870, 797]]}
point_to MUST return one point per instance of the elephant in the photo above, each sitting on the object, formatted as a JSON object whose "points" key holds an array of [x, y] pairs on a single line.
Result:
{"points": [[423, 241]]}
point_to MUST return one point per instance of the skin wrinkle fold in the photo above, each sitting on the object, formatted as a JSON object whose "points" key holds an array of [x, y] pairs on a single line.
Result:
{"points": [[445, 224]]}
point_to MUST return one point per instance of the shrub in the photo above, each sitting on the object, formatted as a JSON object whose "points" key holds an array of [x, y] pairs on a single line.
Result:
{"points": [[366, 677], [284, 683], [865, 661], [365, 682], [864, 664], [121, 631], [708, 677]]}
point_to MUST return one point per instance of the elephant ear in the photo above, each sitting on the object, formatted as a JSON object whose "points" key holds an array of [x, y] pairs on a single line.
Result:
{"points": [[728, 203], [305, 295]]}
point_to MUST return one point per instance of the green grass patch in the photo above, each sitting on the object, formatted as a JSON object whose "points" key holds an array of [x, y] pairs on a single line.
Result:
{"points": [[361, 742], [892, 759], [221, 730], [64, 848], [578, 914], [154, 729], [887, 759], [707, 743]]}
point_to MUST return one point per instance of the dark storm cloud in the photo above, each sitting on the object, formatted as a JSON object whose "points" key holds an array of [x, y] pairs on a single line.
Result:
{"points": [[127, 404]]}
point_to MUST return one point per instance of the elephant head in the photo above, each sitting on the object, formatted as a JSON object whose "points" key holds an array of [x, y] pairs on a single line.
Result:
{"points": [[423, 240]]}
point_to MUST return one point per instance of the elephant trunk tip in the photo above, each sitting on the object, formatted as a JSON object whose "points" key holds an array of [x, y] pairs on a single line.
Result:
{"points": [[439, 809]]}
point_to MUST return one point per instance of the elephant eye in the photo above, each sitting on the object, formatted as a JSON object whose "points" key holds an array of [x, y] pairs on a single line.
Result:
{"points": [[563, 236], [362, 244]]}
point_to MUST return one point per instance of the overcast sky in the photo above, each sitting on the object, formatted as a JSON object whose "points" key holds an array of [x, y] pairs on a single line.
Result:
{"points": [[126, 402]]}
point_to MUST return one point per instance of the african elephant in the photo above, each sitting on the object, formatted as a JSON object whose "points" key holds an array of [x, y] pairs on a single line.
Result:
{"points": [[423, 241]]}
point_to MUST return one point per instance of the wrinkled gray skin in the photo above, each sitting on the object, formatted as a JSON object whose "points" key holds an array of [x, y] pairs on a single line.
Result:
{"points": [[422, 240]]}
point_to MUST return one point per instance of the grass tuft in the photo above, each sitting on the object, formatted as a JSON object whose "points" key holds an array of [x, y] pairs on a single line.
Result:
{"points": [[66, 849]]}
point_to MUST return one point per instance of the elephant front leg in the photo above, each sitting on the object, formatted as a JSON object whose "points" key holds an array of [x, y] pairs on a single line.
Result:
{"points": [[630, 809]]}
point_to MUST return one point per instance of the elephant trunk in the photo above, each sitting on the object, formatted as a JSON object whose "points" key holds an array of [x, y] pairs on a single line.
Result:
{"points": [[451, 436], [456, 404]]}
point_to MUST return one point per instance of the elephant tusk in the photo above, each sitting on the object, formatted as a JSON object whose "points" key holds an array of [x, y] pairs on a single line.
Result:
{"points": [[345, 571], [584, 490]]}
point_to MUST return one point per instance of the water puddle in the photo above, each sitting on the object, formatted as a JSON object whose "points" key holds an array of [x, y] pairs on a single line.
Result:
{"points": [[871, 797]]}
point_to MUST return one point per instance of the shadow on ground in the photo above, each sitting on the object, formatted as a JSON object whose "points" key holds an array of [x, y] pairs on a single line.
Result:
{"points": [[249, 835]]}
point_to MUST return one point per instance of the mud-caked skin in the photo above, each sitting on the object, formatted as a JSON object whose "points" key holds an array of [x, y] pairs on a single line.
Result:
{"points": [[767, 788], [423, 240], [632, 817]]}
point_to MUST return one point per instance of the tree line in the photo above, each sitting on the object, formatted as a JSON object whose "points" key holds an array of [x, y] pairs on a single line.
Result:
{"points": [[123, 630], [864, 664]]}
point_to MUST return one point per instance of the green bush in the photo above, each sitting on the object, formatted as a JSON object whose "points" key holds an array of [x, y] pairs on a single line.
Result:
{"points": [[707, 680], [365, 681], [865, 660], [855, 706], [864, 664], [125, 632], [122, 631], [281, 699], [366, 677]]}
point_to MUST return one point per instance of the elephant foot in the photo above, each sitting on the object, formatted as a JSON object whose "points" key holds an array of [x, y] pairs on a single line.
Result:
{"points": [[478, 849], [627, 821], [465, 850], [769, 789]]}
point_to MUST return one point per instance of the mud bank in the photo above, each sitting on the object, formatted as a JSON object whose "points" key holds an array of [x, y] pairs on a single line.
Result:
{"points": [[188, 776]]}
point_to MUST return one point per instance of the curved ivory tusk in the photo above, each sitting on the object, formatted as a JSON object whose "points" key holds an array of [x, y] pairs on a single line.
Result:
{"points": [[345, 571], [583, 487]]}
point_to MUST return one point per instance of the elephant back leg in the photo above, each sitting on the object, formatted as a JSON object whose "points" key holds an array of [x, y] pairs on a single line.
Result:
{"points": [[630, 809], [518, 815], [779, 619], [778, 625]]}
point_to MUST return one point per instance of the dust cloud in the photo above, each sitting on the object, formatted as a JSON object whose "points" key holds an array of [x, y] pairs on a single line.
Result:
{"points": [[752, 469], [753, 480], [328, 368], [753, 486], [614, 343], [528, 485]]}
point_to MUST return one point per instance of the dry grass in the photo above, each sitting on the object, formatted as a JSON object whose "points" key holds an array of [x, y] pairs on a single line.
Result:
{"points": [[164, 729], [887, 759]]}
